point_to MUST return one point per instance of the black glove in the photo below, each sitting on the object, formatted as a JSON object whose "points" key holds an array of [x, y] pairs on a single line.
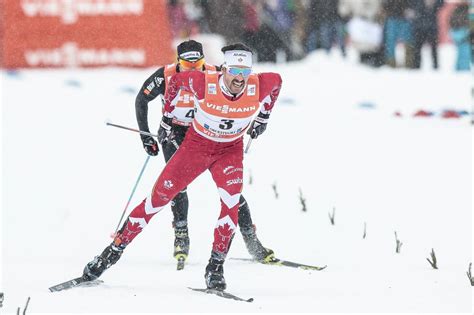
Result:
{"points": [[150, 145], [258, 126], [165, 130]]}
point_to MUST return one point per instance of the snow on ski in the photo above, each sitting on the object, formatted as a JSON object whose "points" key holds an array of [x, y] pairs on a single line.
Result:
{"points": [[222, 294], [281, 262], [80, 281]]}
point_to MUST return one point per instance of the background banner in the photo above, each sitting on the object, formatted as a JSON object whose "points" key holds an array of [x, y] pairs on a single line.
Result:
{"points": [[85, 33]]}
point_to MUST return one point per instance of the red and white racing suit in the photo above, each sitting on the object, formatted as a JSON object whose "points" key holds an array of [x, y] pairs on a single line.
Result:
{"points": [[214, 143]]}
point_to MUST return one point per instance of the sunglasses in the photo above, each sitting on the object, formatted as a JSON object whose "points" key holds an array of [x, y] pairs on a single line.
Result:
{"points": [[187, 65], [235, 71]]}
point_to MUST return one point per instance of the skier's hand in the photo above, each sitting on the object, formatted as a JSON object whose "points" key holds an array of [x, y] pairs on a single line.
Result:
{"points": [[150, 145], [165, 130], [258, 126]]}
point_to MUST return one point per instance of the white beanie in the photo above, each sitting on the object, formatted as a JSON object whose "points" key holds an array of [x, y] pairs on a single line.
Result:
{"points": [[238, 58]]}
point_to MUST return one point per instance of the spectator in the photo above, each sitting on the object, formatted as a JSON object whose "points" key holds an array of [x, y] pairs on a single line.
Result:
{"points": [[398, 28], [425, 29], [252, 11], [313, 35], [298, 36], [365, 29], [202, 7], [277, 20], [325, 26], [181, 26], [459, 23], [226, 18]]}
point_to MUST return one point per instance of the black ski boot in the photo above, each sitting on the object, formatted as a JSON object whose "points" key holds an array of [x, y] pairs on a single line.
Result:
{"points": [[255, 248], [215, 275], [181, 243], [99, 264]]}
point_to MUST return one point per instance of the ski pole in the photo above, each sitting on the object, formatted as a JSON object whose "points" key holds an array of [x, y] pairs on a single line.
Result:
{"points": [[131, 195], [131, 129], [140, 132], [247, 147], [252, 133]]}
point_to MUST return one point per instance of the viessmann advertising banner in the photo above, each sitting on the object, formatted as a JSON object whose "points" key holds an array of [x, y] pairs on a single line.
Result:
{"points": [[85, 33]]}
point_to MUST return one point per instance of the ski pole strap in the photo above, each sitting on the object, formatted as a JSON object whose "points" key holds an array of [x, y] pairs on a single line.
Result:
{"points": [[133, 192], [132, 129]]}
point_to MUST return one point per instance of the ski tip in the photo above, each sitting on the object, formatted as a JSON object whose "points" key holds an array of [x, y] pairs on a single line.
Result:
{"points": [[316, 268]]}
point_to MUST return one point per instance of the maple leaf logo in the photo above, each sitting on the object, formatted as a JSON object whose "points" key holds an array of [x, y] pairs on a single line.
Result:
{"points": [[225, 232]]}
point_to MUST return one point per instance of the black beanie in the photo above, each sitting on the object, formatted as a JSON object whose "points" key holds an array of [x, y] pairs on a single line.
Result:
{"points": [[190, 50]]}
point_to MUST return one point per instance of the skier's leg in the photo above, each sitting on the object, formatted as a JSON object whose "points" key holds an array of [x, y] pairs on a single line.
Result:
{"points": [[245, 220], [176, 175], [179, 206], [227, 173], [248, 230], [180, 203]]}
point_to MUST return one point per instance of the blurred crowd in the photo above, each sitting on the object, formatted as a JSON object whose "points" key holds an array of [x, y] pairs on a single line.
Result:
{"points": [[291, 29]]}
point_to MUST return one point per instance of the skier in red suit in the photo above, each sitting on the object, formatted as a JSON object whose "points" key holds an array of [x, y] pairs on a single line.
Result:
{"points": [[228, 103]]}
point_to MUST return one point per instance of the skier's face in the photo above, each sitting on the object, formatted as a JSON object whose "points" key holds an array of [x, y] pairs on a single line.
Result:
{"points": [[235, 78]]}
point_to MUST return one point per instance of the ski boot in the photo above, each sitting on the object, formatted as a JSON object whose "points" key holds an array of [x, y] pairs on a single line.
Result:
{"points": [[99, 264], [181, 245], [215, 275], [255, 248]]}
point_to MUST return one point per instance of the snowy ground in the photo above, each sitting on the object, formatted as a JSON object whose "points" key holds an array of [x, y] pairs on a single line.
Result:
{"points": [[66, 178]]}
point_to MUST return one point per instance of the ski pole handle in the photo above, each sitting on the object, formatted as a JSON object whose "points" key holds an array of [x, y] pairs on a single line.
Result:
{"points": [[132, 129]]}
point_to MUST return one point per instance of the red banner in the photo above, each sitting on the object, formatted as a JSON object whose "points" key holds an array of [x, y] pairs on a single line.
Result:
{"points": [[85, 33]]}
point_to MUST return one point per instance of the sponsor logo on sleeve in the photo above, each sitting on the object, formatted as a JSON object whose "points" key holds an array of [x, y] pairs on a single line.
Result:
{"points": [[149, 88], [251, 89], [212, 89], [168, 184], [158, 81]]}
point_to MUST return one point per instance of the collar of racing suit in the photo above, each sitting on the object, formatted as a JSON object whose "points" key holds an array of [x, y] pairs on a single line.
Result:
{"points": [[226, 91]]}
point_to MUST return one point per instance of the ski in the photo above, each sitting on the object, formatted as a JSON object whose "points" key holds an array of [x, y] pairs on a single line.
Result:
{"points": [[80, 281], [223, 294], [180, 265], [281, 262]]}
